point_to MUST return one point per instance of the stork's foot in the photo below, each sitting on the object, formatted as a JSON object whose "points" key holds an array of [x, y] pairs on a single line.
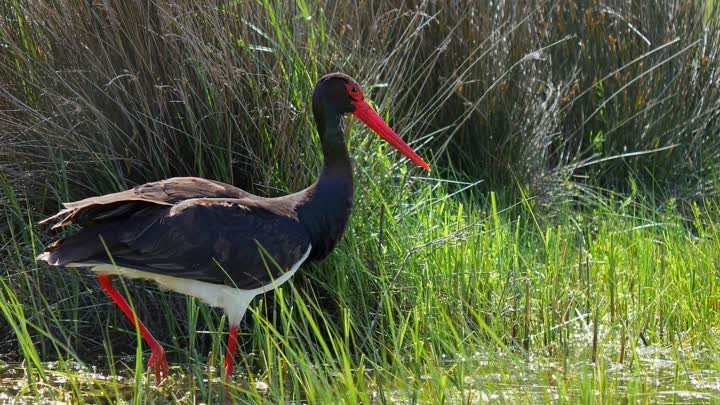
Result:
{"points": [[158, 364]]}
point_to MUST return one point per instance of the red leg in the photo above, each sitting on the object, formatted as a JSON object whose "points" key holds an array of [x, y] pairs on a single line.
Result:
{"points": [[158, 363], [230, 353]]}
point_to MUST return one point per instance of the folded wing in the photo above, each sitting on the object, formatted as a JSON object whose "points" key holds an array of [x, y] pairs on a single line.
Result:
{"points": [[246, 242]]}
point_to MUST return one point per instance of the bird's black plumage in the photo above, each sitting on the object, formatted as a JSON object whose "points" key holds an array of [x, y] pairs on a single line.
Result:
{"points": [[238, 242]]}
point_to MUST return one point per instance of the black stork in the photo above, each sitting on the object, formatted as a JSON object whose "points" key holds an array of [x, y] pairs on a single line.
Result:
{"points": [[217, 242]]}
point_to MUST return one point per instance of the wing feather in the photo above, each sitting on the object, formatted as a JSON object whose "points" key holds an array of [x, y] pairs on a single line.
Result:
{"points": [[124, 203]]}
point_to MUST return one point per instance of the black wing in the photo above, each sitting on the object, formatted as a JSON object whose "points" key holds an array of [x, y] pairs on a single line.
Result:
{"points": [[164, 193], [232, 241]]}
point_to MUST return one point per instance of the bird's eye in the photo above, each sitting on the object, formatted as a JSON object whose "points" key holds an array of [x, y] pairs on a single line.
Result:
{"points": [[354, 91]]}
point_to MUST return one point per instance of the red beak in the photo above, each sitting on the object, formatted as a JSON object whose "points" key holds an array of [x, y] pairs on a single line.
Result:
{"points": [[366, 114]]}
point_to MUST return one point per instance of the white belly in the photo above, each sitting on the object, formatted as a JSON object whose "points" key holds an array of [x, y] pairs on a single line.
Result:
{"points": [[233, 300]]}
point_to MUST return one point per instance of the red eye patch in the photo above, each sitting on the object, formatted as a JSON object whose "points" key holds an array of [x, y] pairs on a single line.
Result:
{"points": [[354, 91]]}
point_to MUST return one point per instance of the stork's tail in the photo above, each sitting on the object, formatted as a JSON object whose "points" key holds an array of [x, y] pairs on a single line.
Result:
{"points": [[86, 244], [44, 256], [49, 255]]}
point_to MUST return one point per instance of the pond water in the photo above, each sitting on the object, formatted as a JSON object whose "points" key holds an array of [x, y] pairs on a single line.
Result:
{"points": [[654, 377]]}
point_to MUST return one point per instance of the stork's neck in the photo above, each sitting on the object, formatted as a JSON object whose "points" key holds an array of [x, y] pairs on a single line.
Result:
{"points": [[328, 202], [336, 160]]}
